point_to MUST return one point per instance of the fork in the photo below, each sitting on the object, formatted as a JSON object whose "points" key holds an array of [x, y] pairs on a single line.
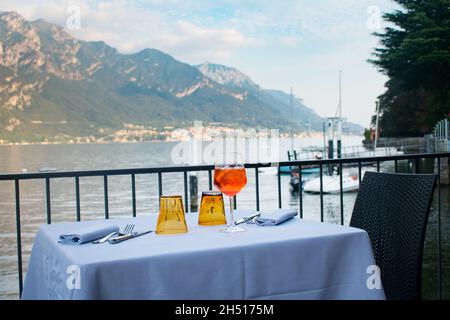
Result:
{"points": [[128, 230]]}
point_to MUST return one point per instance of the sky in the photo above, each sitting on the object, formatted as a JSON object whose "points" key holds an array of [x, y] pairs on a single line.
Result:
{"points": [[278, 43]]}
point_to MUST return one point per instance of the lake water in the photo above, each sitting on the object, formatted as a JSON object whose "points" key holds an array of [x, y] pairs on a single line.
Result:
{"points": [[14, 159]]}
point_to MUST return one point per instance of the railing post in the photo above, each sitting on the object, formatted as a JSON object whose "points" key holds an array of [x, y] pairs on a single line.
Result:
{"points": [[279, 186], [321, 192], [257, 188], [359, 172], [77, 197], [105, 191], [186, 200], [341, 192], [133, 193], [160, 191], [439, 231], [47, 197], [19, 237], [210, 183], [300, 191], [159, 188]]}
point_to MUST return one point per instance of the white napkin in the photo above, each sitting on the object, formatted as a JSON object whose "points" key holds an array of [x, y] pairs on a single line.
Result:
{"points": [[275, 217], [88, 234]]}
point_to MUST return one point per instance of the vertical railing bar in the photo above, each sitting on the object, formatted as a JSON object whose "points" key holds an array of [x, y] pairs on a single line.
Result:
{"points": [[210, 179], [359, 172], [378, 165], [300, 190], [257, 188], [77, 197], [341, 193], [396, 165], [321, 192], [279, 186], [159, 187], [439, 231], [48, 200], [133, 193], [19, 237], [416, 165], [105, 191], [186, 204], [160, 184]]}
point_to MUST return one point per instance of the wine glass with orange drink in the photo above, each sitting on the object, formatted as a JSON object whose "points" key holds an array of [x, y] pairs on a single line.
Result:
{"points": [[230, 179]]}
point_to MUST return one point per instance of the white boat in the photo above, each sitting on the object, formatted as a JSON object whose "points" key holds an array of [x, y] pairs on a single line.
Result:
{"points": [[331, 184]]}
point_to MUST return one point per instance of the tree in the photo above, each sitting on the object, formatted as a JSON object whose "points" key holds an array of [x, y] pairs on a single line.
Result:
{"points": [[414, 53]]}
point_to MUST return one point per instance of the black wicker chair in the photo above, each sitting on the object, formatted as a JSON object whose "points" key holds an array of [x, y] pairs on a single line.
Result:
{"points": [[393, 209]]}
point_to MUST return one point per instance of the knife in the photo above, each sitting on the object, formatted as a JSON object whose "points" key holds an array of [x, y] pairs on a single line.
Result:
{"points": [[104, 239], [127, 237]]}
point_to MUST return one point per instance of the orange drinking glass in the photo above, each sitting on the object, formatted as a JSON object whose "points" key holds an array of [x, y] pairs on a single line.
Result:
{"points": [[171, 218], [230, 179], [212, 210]]}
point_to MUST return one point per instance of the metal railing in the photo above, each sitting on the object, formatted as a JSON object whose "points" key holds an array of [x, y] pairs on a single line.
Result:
{"points": [[442, 135], [358, 151], [159, 171]]}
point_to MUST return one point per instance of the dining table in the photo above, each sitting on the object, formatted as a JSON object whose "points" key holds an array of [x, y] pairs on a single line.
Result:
{"points": [[298, 259]]}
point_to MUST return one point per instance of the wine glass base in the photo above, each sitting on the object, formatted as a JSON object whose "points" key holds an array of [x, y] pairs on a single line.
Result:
{"points": [[233, 229]]}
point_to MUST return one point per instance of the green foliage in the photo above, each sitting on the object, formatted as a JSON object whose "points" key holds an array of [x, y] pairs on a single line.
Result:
{"points": [[415, 55], [366, 136]]}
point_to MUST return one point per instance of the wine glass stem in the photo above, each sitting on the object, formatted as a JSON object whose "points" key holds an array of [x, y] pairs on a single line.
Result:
{"points": [[231, 211]]}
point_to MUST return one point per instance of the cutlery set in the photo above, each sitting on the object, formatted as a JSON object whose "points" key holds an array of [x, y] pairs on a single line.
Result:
{"points": [[126, 234]]}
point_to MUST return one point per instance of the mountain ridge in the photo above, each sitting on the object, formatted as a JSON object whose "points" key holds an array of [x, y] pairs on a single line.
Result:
{"points": [[53, 85]]}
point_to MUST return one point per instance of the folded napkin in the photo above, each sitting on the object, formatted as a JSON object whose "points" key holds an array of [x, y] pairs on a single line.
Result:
{"points": [[275, 217], [87, 234]]}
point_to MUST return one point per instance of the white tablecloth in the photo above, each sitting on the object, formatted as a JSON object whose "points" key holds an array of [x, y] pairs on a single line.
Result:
{"points": [[299, 259]]}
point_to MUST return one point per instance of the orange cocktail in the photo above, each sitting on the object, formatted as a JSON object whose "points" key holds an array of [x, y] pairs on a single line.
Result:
{"points": [[230, 179]]}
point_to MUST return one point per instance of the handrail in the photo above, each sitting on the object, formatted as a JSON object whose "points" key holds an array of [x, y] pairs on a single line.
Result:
{"points": [[191, 168]]}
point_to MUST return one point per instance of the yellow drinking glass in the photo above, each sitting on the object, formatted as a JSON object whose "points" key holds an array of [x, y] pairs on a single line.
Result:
{"points": [[171, 218], [212, 210]]}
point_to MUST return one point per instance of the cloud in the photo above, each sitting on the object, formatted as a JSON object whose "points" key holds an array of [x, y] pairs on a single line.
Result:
{"points": [[288, 41], [132, 26], [196, 31], [202, 44]]}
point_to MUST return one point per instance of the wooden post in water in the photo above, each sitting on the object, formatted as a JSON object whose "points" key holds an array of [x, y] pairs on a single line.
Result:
{"points": [[193, 192]]}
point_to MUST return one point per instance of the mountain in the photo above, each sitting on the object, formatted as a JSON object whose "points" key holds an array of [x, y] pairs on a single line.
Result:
{"points": [[301, 113], [303, 117], [54, 86], [227, 76]]}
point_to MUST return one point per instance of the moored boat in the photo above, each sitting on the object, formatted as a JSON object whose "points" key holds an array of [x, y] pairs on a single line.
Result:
{"points": [[331, 184]]}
